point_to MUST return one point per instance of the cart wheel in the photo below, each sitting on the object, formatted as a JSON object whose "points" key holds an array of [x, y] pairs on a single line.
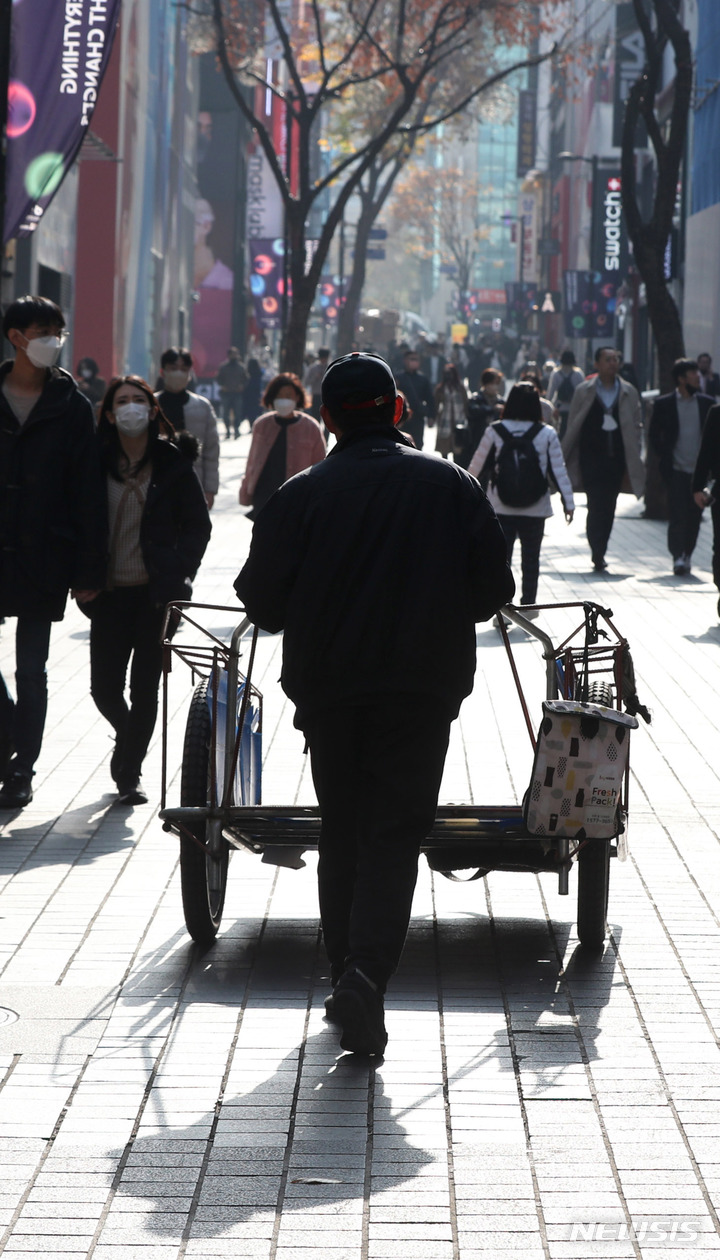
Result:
{"points": [[203, 875], [593, 889]]}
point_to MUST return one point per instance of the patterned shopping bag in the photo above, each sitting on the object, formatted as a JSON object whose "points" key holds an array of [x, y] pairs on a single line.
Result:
{"points": [[580, 763]]}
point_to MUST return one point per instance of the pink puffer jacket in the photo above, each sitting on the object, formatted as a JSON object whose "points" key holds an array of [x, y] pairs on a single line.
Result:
{"points": [[305, 446]]}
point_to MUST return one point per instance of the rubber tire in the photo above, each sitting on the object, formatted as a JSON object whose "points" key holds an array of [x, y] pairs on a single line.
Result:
{"points": [[601, 693], [593, 865], [203, 877]]}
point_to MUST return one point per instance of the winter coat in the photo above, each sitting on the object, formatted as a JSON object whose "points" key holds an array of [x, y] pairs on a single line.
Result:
{"points": [[550, 458], [376, 563], [305, 446], [231, 377], [51, 501], [175, 526], [200, 420], [630, 413], [665, 427], [707, 467]]}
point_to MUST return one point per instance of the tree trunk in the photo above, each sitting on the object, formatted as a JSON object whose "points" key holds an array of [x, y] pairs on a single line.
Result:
{"points": [[668, 333], [296, 332], [349, 311]]}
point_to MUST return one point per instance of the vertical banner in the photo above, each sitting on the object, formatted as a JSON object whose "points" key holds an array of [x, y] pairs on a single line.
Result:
{"points": [[609, 250], [629, 65], [610, 239], [266, 280], [59, 50], [528, 214], [589, 304], [527, 125]]}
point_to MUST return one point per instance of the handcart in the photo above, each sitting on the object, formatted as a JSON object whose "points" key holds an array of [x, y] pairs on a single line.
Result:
{"points": [[574, 813]]}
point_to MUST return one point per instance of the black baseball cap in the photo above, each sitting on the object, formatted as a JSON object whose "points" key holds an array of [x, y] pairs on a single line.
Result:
{"points": [[358, 382]]}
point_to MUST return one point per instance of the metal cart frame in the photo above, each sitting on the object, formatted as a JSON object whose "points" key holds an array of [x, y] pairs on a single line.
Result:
{"points": [[589, 664]]}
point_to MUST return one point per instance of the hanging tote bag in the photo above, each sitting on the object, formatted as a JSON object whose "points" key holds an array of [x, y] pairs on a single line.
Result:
{"points": [[581, 759]]}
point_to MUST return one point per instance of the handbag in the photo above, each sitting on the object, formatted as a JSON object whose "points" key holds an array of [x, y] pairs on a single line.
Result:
{"points": [[581, 758]]}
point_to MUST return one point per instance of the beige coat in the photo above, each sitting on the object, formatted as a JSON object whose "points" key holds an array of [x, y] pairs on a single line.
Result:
{"points": [[630, 412], [305, 446]]}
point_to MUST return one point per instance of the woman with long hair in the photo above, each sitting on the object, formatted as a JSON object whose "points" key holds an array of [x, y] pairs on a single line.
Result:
{"points": [[285, 440], [158, 529]]}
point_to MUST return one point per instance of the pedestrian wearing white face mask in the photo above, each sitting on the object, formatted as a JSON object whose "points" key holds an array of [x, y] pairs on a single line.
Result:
{"points": [[186, 410], [51, 521], [157, 529], [285, 441]]}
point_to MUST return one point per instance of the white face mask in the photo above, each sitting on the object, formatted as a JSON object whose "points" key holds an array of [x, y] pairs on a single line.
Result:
{"points": [[285, 406], [132, 418], [176, 379], [43, 352]]}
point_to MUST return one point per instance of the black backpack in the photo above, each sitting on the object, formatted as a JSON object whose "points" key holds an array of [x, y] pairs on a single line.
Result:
{"points": [[517, 477], [565, 392]]}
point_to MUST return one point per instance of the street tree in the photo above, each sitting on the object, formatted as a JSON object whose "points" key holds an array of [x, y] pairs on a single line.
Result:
{"points": [[337, 49], [437, 208], [660, 25]]}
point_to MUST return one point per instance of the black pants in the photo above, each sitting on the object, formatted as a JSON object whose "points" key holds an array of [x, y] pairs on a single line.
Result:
{"points": [[530, 530], [684, 515], [601, 503], [715, 514], [125, 623], [22, 724], [232, 401], [377, 770]]}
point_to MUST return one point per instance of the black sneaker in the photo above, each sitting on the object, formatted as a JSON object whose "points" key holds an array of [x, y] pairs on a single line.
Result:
{"points": [[16, 791], [132, 793], [357, 1006]]}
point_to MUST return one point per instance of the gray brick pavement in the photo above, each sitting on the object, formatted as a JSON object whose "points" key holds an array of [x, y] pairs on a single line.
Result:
{"points": [[155, 1102]]}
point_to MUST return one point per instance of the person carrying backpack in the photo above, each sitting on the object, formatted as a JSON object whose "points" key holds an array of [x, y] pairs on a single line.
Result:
{"points": [[515, 458], [562, 385]]}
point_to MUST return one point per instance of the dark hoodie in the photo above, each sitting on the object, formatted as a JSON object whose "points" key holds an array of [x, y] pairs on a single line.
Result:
{"points": [[52, 522]]}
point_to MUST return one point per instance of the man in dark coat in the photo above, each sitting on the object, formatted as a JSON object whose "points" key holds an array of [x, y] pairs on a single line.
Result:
{"points": [[706, 483], [420, 397], [376, 563], [676, 429], [709, 380], [52, 526]]}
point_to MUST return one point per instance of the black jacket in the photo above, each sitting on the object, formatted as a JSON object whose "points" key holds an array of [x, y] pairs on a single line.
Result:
{"points": [[707, 467], [376, 563], [419, 393], [175, 525], [665, 427], [51, 501]]}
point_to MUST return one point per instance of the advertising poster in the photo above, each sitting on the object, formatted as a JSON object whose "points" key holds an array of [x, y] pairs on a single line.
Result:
{"points": [[58, 55], [215, 237], [266, 280]]}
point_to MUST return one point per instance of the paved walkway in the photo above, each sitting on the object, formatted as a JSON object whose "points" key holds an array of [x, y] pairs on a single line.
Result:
{"points": [[533, 1104]]}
